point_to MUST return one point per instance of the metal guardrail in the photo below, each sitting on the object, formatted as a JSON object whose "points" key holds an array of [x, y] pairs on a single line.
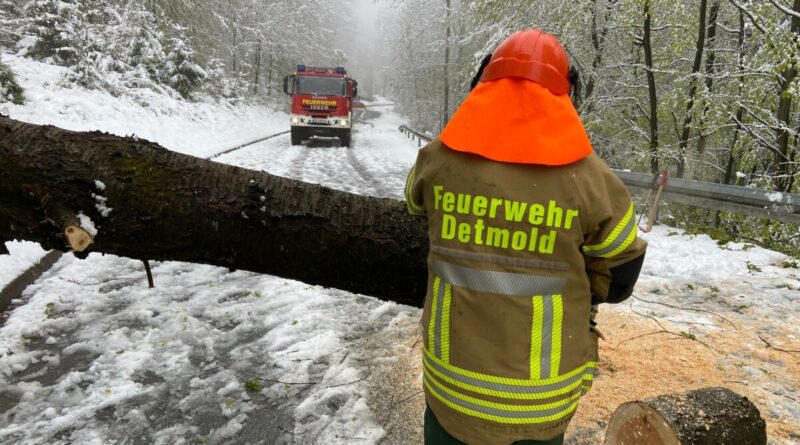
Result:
{"points": [[414, 134], [777, 206]]}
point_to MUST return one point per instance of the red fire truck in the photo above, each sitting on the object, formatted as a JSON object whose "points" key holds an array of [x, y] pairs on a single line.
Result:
{"points": [[322, 103]]}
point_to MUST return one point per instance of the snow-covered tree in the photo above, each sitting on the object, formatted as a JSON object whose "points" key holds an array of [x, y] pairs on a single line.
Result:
{"points": [[142, 46], [51, 29], [181, 72]]}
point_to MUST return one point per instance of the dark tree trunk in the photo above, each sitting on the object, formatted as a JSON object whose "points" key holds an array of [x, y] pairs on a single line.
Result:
{"points": [[647, 45], [446, 111], [269, 72], [708, 416], [711, 61], [785, 179], [599, 34], [683, 143], [169, 206], [234, 52], [731, 166], [257, 74]]}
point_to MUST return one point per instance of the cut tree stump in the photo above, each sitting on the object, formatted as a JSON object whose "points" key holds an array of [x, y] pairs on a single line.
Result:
{"points": [[707, 416]]}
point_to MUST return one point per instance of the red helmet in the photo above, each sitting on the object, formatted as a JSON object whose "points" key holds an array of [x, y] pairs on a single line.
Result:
{"points": [[534, 55]]}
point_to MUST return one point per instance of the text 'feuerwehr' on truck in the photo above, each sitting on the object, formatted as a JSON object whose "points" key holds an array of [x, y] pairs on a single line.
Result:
{"points": [[322, 103]]}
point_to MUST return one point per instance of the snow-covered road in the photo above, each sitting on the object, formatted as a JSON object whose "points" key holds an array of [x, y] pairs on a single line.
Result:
{"points": [[375, 165], [90, 355]]}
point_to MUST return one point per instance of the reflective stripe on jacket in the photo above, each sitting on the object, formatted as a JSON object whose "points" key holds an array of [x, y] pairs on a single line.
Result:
{"points": [[516, 253]]}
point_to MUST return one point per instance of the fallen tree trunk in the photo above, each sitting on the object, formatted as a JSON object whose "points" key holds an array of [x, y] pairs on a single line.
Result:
{"points": [[58, 187], [708, 416]]}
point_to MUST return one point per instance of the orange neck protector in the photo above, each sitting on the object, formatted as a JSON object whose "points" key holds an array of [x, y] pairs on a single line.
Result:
{"points": [[518, 121]]}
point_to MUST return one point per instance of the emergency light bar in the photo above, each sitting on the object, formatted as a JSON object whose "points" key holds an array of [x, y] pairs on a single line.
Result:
{"points": [[319, 69]]}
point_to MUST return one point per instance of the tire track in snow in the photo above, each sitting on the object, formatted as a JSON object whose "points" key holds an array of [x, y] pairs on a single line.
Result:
{"points": [[275, 156], [365, 174]]}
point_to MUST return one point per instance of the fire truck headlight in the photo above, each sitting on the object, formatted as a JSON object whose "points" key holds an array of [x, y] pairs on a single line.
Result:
{"points": [[344, 122], [295, 120]]}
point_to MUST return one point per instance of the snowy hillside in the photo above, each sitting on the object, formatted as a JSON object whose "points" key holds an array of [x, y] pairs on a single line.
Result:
{"points": [[89, 354], [197, 128]]}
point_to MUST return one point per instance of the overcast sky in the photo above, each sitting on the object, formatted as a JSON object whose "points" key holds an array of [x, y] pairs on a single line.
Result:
{"points": [[364, 44]]}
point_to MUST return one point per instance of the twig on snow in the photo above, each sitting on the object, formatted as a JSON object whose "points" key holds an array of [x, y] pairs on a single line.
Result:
{"points": [[348, 383], [687, 309], [662, 331], [771, 346], [291, 383]]}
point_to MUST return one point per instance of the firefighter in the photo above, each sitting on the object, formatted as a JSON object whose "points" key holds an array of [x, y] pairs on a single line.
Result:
{"points": [[528, 230]]}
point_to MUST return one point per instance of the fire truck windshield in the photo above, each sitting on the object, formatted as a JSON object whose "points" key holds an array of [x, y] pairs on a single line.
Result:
{"points": [[319, 86]]}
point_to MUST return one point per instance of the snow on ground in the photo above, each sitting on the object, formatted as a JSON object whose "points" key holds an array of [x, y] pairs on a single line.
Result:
{"points": [[90, 355], [201, 129], [702, 315], [23, 254]]}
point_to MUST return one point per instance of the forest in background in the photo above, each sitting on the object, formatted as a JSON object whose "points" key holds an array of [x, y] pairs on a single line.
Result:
{"points": [[226, 49], [706, 88]]}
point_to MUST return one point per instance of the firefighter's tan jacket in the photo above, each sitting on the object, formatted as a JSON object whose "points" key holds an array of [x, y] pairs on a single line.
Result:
{"points": [[516, 251]]}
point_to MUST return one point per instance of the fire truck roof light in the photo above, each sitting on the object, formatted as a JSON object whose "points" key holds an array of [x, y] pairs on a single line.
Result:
{"points": [[340, 70], [301, 68]]}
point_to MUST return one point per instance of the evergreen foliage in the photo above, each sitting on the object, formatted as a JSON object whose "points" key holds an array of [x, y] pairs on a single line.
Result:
{"points": [[181, 72], [10, 91], [51, 30]]}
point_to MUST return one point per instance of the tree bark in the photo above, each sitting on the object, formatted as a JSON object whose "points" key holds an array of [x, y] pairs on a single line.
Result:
{"points": [[168, 206], [647, 45], [708, 416]]}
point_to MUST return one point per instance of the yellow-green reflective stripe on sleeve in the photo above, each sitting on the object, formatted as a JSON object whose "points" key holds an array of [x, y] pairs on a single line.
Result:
{"points": [[618, 240], [413, 207]]}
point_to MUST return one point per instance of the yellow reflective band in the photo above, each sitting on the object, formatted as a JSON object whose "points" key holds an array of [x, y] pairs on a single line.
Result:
{"points": [[625, 244], [516, 394], [413, 208], [432, 323], [502, 413], [536, 337], [476, 377], [618, 240], [445, 326], [555, 349]]}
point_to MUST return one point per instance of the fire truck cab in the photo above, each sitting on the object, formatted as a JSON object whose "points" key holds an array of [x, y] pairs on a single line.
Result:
{"points": [[322, 103]]}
